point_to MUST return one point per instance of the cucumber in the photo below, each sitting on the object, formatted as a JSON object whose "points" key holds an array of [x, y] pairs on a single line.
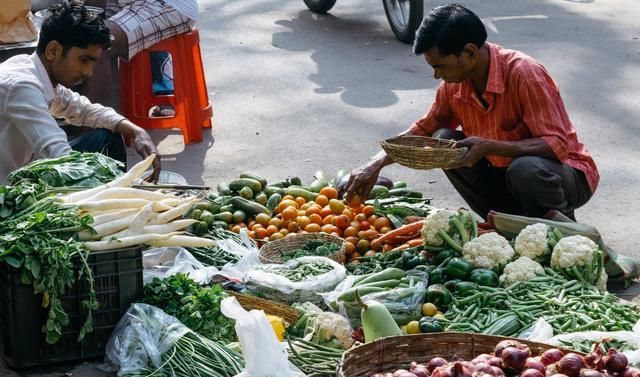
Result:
{"points": [[200, 228], [382, 284], [196, 214], [261, 198], [350, 294], [318, 184], [379, 192], [249, 207], [227, 208], [223, 216], [238, 184], [273, 201], [306, 194], [295, 181], [213, 195], [246, 192], [270, 190], [239, 216], [399, 184], [207, 217], [388, 274], [223, 188], [405, 192], [220, 224], [254, 175]]}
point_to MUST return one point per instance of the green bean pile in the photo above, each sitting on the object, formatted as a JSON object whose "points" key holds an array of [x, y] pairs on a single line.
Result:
{"points": [[304, 271], [567, 305], [313, 359]]}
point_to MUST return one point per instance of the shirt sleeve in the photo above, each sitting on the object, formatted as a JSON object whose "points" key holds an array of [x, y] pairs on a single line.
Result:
{"points": [[544, 113], [439, 116], [79, 111], [27, 109]]}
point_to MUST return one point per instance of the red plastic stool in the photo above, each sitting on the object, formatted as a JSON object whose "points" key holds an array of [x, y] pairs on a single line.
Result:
{"points": [[193, 111]]}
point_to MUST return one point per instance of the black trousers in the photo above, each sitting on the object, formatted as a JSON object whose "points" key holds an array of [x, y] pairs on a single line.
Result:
{"points": [[529, 186]]}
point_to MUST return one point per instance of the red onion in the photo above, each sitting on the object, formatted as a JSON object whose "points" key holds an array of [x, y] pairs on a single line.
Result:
{"points": [[400, 373], [631, 372], [497, 372], [382, 375], [497, 350], [460, 370], [551, 356], [531, 373], [482, 367], [442, 371], [495, 362], [570, 364], [615, 361], [483, 357], [436, 362], [420, 370], [534, 363], [404, 374], [515, 358], [558, 375], [590, 373]]}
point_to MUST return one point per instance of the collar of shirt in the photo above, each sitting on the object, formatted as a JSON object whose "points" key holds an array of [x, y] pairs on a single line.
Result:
{"points": [[495, 81], [43, 76]]}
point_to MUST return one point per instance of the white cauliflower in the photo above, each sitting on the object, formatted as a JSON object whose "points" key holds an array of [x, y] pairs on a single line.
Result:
{"points": [[490, 250], [332, 330], [444, 227], [532, 241], [521, 269], [578, 257]]}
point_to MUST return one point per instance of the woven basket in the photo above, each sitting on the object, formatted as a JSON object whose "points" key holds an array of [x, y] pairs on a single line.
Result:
{"points": [[272, 252], [395, 352], [289, 314], [420, 152]]}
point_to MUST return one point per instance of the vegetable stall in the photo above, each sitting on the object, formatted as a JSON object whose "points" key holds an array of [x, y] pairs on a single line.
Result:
{"points": [[334, 282]]}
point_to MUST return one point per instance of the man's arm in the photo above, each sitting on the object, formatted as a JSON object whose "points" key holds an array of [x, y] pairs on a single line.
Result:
{"points": [[479, 148], [27, 110]]}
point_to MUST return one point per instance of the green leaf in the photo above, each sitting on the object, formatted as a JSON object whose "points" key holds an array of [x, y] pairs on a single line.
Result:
{"points": [[14, 261]]}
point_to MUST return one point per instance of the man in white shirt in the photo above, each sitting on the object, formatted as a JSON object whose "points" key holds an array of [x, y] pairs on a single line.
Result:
{"points": [[137, 25], [34, 90]]}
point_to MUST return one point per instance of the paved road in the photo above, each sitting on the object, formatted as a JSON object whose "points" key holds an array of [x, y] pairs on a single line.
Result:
{"points": [[296, 92]]}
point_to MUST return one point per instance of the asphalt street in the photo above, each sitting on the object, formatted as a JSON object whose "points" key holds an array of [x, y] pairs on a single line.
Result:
{"points": [[296, 92]]}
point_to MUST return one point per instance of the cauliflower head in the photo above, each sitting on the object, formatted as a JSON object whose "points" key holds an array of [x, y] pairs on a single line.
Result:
{"points": [[532, 241], [521, 269], [573, 251], [489, 250], [435, 221], [332, 330]]}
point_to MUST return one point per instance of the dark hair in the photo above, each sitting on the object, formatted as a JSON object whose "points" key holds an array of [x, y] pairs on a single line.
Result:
{"points": [[449, 28], [71, 24]]}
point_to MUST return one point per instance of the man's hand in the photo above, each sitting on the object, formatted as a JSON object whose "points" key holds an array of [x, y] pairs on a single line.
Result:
{"points": [[142, 143], [477, 149], [362, 180]]}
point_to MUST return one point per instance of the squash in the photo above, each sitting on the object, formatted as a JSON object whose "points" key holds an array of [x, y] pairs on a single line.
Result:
{"points": [[377, 322]]}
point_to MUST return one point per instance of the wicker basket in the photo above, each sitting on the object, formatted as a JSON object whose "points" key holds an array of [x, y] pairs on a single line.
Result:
{"points": [[289, 314], [272, 252], [395, 352], [420, 152]]}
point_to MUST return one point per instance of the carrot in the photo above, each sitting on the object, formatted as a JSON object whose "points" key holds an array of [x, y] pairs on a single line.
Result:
{"points": [[403, 230], [411, 243]]}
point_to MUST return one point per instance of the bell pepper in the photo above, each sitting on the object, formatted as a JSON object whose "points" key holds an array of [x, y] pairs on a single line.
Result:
{"points": [[484, 277], [429, 325], [438, 295], [459, 268], [443, 255], [451, 284], [466, 288], [409, 260], [438, 276]]}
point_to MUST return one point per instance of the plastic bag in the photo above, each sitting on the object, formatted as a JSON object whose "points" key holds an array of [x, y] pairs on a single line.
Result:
{"points": [[166, 261], [401, 302], [540, 331], [16, 22], [143, 334], [277, 287], [263, 354], [248, 252]]}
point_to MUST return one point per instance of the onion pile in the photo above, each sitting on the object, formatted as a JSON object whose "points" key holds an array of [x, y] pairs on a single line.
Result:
{"points": [[511, 358]]}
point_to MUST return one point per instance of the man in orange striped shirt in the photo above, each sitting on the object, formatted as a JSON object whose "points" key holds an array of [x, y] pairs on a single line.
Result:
{"points": [[524, 156]]}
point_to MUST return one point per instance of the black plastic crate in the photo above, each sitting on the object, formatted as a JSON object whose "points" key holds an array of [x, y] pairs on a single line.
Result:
{"points": [[117, 282]]}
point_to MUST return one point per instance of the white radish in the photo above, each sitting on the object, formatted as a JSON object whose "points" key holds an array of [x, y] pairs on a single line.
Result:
{"points": [[125, 241], [182, 240], [127, 192], [173, 213], [125, 180], [106, 217], [172, 202], [112, 204], [106, 229], [140, 220], [159, 229]]}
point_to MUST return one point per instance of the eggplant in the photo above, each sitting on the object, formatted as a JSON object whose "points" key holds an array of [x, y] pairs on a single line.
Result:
{"points": [[384, 181]]}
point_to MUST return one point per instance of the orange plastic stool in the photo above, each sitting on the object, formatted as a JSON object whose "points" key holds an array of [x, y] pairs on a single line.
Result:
{"points": [[193, 111]]}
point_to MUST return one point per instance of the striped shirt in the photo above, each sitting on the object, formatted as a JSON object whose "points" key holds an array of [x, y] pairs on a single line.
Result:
{"points": [[523, 102]]}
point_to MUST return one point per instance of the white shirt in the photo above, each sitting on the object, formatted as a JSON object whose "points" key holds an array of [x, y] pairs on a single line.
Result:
{"points": [[28, 105]]}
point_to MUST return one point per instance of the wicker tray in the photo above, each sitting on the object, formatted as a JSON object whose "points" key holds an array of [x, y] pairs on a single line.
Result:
{"points": [[272, 251], [394, 352], [289, 314], [420, 152]]}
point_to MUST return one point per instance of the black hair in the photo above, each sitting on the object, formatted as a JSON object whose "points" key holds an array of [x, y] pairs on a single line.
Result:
{"points": [[72, 25], [449, 28]]}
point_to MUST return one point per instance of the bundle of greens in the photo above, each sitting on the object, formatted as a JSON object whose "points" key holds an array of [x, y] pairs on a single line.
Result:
{"points": [[396, 209], [38, 242], [14, 199], [74, 169], [195, 306], [311, 248]]}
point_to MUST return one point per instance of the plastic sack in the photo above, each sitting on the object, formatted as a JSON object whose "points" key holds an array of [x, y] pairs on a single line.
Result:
{"points": [[401, 302], [248, 252], [632, 338], [16, 22], [167, 261], [263, 354], [272, 285], [540, 331], [143, 334]]}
